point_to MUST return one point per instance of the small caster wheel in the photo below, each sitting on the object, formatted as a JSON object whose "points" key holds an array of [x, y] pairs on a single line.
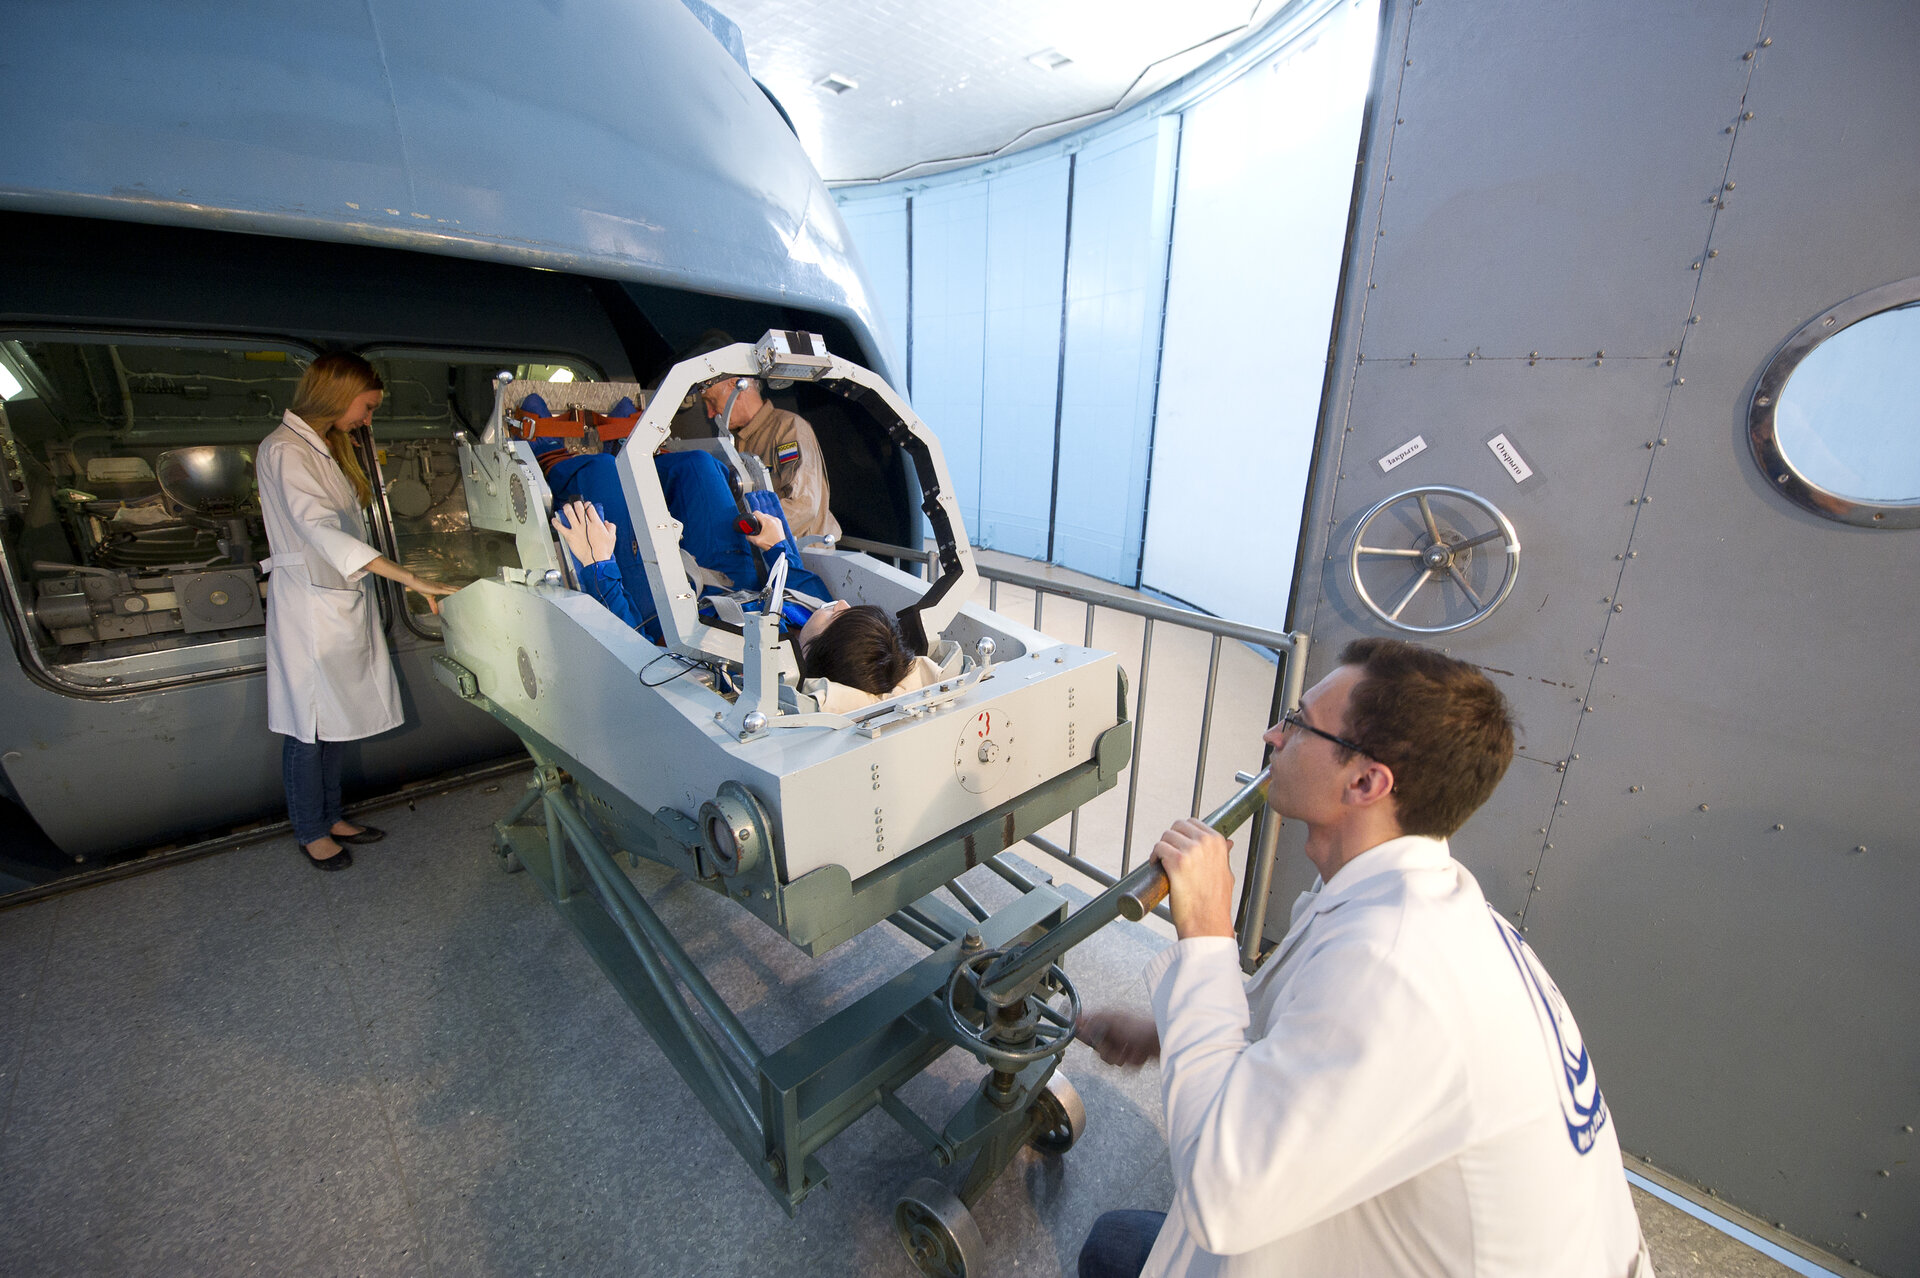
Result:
{"points": [[1062, 1114], [938, 1232]]}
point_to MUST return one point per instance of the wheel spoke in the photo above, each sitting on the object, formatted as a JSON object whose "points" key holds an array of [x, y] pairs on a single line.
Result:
{"points": [[1407, 598], [1440, 551], [1433, 525], [1460, 580]]}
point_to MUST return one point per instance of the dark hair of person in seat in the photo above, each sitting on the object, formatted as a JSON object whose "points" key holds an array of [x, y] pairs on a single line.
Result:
{"points": [[861, 648]]}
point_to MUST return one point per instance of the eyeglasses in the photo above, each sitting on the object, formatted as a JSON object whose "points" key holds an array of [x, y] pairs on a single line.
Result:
{"points": [[1292, 719]]}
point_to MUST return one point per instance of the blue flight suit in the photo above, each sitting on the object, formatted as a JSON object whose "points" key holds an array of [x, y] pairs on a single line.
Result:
{"points": [[701, 499]]}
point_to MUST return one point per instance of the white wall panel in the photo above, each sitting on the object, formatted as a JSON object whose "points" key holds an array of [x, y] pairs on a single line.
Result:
{"points": [[1266, 176], [879, 229], [1026, 255], [949, 325], [1116, 275]]}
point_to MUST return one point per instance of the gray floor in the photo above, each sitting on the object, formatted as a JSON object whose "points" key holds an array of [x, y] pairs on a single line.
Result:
{"points": [[240, 1065]]}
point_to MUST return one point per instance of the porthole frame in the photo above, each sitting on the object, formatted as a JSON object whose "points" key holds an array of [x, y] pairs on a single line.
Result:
{"points": [[1763, 438]]}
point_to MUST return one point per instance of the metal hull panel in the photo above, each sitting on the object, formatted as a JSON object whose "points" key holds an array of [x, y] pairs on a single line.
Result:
{"points": [[659, 158], [1715, 683], [104, 775]]}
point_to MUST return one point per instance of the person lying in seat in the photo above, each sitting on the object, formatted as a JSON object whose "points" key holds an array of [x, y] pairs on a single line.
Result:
{"points": [[851, 656]]}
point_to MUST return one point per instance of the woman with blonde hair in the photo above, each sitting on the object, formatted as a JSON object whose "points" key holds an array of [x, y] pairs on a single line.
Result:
{"points": [[329, 677]]}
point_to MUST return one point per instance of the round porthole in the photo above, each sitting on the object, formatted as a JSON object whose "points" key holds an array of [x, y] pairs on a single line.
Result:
{"points": [[1833, 423]]}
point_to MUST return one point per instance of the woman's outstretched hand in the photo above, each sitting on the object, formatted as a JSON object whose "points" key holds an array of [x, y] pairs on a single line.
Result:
{"points": [[433, 590]]}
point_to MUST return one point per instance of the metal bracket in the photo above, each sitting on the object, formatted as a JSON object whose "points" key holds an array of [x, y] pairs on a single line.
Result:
{"points": [[914, 706], [455, 677], [760, 702]]}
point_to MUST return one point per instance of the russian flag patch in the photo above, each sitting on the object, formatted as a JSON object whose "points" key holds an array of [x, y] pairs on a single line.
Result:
{"points": [[788, 452]]}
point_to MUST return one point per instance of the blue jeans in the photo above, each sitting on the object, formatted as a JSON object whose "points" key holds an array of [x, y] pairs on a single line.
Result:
{"points": [[311, 772], [1119, 1243]]}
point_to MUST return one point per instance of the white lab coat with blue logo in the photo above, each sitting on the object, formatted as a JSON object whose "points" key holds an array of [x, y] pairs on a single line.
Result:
{"points": [[329, 677], [1401, 1091]]}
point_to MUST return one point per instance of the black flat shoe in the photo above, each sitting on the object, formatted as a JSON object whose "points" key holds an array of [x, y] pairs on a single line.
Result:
{"points": [[338, 861], [368, 834]]}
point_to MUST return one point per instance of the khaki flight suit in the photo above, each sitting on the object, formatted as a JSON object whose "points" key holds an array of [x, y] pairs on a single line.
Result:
{"points": [[791, 452]]}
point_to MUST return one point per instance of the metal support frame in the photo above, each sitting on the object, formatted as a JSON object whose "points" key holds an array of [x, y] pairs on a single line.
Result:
{"points": [[824, 1080], [779, 1108]]}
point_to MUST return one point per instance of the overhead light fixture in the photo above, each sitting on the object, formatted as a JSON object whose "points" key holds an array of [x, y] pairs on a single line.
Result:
{"points": [[1049, 59], [835, 83]]}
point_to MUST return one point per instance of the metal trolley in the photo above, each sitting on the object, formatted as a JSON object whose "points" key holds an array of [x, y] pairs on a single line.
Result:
{"points": [[821, 825]]}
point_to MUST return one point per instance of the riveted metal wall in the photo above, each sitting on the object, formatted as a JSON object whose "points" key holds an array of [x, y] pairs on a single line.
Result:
{"points": [[1589, 228]]}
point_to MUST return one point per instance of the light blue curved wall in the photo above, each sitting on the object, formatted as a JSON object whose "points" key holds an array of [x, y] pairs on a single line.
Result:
{"points": [[1121, 336]]}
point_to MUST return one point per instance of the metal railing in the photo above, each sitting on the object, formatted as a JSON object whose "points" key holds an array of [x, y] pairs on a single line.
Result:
{"points": [[1289, 652]]}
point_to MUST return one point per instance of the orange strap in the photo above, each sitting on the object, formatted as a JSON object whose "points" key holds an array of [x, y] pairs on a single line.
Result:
{"points": [[570, 425], [573, 425], [612, 428]]}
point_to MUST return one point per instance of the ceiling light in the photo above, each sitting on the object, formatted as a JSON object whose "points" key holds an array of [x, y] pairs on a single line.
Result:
{"points": [[1049, 59], [836, 83]]}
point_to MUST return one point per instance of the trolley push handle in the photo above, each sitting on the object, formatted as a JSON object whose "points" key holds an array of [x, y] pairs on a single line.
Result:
{"points": [[1143, 890], [1131, 898]]}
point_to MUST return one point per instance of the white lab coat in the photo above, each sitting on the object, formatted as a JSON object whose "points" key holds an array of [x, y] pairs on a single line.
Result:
{"points": [[1399, 1092], [329, 677]]}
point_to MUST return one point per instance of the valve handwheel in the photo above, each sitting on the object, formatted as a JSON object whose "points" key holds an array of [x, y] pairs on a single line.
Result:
{"points": [[1024, 1030], [1441, 554]]}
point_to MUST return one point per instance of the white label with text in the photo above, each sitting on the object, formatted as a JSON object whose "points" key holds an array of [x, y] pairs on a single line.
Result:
{"points": [[1510, 458], [1412, 448]]}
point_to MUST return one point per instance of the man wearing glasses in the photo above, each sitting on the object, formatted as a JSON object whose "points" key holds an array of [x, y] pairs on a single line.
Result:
{"points": [[1400, 1089]]}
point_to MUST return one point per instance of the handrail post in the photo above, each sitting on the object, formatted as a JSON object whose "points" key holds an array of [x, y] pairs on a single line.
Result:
{"points": [[1206, 726], [1288, 684], [1073, 821], [1139, 731]]}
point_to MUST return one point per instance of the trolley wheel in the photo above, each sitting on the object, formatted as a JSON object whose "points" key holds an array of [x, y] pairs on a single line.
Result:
{"points": [[938, 1232], [1063, 1117]]}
